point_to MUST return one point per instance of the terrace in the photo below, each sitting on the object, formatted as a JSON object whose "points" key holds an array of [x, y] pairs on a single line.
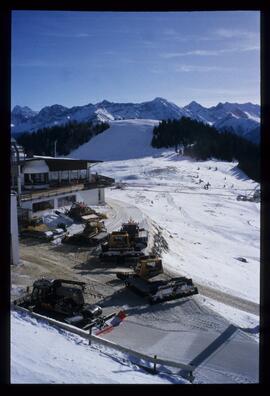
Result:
{"points": [[49, 176]]}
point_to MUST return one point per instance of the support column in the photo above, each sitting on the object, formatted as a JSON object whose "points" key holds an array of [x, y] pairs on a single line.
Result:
{"points": [[14, 230]]}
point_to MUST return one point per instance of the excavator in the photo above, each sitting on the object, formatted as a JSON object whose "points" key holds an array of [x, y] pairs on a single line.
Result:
{"points": [[63, 300], [159, 289], [127, 243]]}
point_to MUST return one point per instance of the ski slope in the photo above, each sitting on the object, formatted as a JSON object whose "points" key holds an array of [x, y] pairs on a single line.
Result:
{"points": [[124, 139], [208, 232]]}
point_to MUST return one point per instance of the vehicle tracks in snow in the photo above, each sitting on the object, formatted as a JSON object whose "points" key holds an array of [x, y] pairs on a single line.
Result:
{"points": [[122, 211]]}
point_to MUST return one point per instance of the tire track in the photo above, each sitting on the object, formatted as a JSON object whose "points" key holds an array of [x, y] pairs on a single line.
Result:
{"points": [[122, 212]]}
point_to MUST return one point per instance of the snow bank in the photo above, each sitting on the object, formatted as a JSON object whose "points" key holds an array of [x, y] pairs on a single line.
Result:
{"points": [[43, 354]]}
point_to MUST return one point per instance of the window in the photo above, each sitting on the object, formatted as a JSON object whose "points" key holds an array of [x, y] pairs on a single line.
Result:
{"points": [[36, 178], [66, 201], [43, 205], [99, 195]]}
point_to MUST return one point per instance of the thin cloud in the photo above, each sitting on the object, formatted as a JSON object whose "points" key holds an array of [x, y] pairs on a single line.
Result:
{"points": [[210, 52], [230, 33], [199, 68], [188, 53], [67, 35]]}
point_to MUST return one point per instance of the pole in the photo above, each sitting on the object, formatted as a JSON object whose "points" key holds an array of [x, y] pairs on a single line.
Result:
{"points": [[90, 333], [55, 148], [155, 364]]}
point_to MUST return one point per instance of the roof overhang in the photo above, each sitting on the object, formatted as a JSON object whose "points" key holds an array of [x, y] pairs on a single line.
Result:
{"points": [[63, 164]]}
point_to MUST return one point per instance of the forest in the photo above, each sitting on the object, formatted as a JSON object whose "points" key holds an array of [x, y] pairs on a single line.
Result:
{"points": [[203, 142], [68, 137]]}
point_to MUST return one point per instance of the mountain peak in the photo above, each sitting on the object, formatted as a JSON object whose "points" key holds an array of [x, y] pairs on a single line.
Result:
{"points": [[22, 109], [193, 105], [159, 99], [104, 103]]}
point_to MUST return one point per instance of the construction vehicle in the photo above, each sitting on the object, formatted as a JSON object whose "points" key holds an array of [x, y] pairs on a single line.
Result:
{"points": [[78, 210], [138, 236], [146, 267], [127, 243], [63, 300], [160, 289], [93, 234]]}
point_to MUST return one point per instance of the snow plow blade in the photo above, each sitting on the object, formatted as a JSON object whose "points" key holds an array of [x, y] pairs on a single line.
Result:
{"points": [[159, 290]]}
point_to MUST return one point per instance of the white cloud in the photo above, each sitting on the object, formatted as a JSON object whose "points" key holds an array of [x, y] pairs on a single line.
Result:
{"points": [[231, 33], [200, 68], [210, 52]]}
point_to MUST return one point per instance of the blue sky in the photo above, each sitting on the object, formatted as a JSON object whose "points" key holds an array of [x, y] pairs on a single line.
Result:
{"points": [[76, 58]]}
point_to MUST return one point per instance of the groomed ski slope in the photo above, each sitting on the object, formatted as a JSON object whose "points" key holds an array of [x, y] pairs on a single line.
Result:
{"points": [[41, 354], [124, 139]]}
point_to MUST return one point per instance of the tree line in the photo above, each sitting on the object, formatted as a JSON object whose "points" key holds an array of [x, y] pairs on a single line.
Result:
{"points": [[203, 142], [69, 137]]}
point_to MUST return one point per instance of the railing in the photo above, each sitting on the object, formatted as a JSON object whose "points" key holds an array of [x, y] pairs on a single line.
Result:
{"points": [[50, 192], [187, 368], [78, 185]]}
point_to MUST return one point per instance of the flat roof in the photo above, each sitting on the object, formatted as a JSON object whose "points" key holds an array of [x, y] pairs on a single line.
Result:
{"points": [[61, 164]]}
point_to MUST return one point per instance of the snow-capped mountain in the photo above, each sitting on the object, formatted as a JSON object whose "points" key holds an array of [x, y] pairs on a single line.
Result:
{"points": [[242, 119], [22, 114]]}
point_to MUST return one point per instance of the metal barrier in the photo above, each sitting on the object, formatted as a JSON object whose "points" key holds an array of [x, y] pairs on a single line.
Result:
{"points": [[98, 340]]}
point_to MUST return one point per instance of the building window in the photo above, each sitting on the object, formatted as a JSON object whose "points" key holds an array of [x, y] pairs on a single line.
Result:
{"points": [[99, 195], [43, 205], [66, 201], [36, 178]]}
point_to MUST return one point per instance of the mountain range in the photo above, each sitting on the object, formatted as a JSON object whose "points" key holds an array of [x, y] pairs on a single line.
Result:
{"points": [[242, 119]]}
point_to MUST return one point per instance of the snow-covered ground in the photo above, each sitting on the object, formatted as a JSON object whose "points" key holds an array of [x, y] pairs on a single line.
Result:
{"points": [[212, 238], [241, 319], [208, 231], [124, 139], [43, 354]]}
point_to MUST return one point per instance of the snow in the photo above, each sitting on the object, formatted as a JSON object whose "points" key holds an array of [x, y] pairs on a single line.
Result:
{"points": [[246, 321], [52, 220], [124, 139], [252, 117], [207, 230], [56, 356], [159, 109]]}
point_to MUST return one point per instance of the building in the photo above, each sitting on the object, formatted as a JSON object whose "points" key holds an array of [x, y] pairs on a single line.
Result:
{"points": [[47, 183]]}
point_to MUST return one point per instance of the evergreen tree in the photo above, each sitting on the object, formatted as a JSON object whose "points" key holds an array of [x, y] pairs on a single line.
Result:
{"points": [[204, 142]]}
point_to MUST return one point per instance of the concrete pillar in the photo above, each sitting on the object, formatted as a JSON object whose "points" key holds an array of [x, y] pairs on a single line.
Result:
{"points": [[15, 259], [19, 180]]}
